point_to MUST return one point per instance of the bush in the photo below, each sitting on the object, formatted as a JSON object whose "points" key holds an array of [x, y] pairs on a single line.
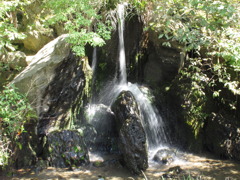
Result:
{"points": [[14, 112]]}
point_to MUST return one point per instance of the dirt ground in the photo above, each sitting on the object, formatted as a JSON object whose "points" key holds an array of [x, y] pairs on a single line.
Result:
{"points": [[198, 167]]}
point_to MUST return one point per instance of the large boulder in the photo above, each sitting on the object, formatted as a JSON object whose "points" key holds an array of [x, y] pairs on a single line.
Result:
{"points": [[100, 133], [41, 71], [132, 137], [65, 149], [65, 95], [54, 83]]}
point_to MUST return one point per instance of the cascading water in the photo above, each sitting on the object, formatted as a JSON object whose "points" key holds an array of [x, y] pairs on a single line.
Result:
{"points": [[152, 121], [94, 60], [122, 57]]}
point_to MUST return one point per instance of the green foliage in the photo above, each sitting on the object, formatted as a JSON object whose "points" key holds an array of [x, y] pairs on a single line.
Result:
{"points": [[203, 83], [8, 23], [197, 24], [194, 96], [81, 20], [14, 112]]}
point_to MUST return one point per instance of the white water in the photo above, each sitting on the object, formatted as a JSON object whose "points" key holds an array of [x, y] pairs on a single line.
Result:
{"points": [[94, 60], [152, 121], [94, 64], [122, 57]]}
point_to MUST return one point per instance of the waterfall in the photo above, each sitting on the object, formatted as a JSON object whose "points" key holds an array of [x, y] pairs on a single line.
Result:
{"points": [[94, 60], [93, 67], [152, 121], [122, 57]]}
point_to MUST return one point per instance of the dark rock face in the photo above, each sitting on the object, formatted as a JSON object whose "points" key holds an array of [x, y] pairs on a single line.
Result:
{"points": [[175, 173], [222, 136], [101, 133], [65, 149], [164, 156], [162, 63], [62, 95], [132, 137]]}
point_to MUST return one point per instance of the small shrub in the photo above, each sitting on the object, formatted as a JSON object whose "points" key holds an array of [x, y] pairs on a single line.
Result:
{"points": [[14, 112]]}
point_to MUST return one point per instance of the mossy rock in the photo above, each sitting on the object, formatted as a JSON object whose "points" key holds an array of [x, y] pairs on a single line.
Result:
{"points": [[66, 149]]}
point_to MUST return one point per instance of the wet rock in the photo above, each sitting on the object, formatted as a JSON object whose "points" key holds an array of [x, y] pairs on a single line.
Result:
{"points": [[98, 164], [66, 149], [89, 134], [175, 172], [164, 156], [132, 137], [162, 63], [101, 133], [65, 96]]}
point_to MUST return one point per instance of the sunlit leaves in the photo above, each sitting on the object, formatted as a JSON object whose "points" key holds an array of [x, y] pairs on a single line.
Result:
{"points": [[212, 25], [80, 39], [234, 86], [8, 32], [78, 17], [197, 24]]}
